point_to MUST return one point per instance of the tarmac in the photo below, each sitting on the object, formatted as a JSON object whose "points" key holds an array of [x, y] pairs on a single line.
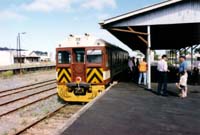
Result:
{"points": [[128, 109]]}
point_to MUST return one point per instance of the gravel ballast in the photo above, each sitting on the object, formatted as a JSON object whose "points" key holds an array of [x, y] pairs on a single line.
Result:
{"points": [[26, 79]]}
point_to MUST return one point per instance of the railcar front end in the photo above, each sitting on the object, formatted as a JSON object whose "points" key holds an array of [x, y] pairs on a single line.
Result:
{"points": [[81, 71]]}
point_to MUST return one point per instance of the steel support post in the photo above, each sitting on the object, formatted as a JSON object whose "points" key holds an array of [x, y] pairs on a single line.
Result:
{"points": [[149, 59]]}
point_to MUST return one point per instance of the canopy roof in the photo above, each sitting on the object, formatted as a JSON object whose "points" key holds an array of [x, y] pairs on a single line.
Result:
{"points": [[174, 24]]}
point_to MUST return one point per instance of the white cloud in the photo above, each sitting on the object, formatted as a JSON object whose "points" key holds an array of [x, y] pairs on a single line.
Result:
{"points": [[11, 15], [51, 5], [99, 4], [103, 16], [47, 5]]}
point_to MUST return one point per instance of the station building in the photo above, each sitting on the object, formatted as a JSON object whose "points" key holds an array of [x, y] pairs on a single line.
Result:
{"points": [[10, 57]]}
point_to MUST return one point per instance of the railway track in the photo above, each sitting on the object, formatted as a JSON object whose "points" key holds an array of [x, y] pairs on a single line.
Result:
{"points": [[23, 109], [50, 121], [48, 124], [26, 108], [25, 88], [39, 120], [8, 104], [12, 95]]}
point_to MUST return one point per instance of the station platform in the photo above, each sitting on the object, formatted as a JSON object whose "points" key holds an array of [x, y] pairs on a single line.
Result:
{"points": [[128, 109]]}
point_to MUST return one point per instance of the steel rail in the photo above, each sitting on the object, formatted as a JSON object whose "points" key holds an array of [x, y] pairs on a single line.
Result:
{"points": [[39, 120], [25, 89], [8, 102], [25, 105], [26, 86]]}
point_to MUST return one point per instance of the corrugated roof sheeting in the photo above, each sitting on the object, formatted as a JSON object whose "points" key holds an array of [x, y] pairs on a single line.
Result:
{"points": [[182, 12], [173, 26]]}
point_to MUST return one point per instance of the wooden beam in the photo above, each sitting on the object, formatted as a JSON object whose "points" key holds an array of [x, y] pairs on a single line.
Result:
{"points": [[127, 31], [141, 38]]}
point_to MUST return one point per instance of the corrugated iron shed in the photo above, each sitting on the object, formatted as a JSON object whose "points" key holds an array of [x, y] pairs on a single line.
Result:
{"points": [[172, 24]]}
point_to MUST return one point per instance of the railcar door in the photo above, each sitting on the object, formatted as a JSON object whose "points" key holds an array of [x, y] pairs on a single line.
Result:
{"points": [[78, 65]]}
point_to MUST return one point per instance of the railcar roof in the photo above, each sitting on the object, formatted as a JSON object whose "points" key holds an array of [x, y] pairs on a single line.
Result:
{"points": [[85, 41]]}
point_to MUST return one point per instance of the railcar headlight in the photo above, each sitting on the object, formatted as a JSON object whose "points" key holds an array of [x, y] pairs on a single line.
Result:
{"points": [[78, 79]]}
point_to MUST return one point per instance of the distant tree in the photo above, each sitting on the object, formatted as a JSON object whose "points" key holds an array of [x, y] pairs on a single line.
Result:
{"points": [[4, 48], [40, 53], [197, 50], [156, 56], [182, 52]]}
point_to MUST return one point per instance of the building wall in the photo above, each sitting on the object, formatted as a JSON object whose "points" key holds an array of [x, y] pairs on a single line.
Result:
{"points": [[6, 58]]}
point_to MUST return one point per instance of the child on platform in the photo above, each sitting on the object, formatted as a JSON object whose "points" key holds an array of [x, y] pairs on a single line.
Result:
{"points": [[182, 85]]}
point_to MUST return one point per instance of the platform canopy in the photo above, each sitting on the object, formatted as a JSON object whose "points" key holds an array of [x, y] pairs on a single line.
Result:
{"points": [[174, 24]]}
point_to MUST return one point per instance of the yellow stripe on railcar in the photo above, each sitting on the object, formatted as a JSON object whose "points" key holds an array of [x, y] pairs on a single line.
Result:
{"points": [[94, 75], [64, 75]]}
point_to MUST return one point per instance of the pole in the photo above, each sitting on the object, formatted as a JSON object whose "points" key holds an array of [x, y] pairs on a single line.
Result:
{"points": [[176, 57], [17, 48], [171, 58], [185, 51], [20, 56], [191, 58], [149, 59]]}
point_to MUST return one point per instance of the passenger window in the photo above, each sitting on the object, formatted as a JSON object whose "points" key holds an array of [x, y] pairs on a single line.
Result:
{"points": [[64, 57], [79, 55], [94, 56]]}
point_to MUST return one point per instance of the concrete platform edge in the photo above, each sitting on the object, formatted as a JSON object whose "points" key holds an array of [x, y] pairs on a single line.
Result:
{"points": [[74, 117]]}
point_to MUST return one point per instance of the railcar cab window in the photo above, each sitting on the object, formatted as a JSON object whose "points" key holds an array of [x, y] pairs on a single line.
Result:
{"points": [[64, 57], [94, 56], [79, 55]]}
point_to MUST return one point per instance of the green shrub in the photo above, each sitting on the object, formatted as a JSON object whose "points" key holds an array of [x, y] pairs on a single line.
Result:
{"points": [[6, 74]]}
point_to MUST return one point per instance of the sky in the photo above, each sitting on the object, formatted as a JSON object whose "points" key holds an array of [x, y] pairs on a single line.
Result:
{"points": [[48, 22]]}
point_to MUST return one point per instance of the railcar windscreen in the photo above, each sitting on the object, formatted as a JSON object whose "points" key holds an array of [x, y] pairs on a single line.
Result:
{"points": [[79, 55], [64, 57], [94, 56]]}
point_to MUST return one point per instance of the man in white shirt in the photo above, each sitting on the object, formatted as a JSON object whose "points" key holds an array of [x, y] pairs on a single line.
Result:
{"points": [[162, 76]]}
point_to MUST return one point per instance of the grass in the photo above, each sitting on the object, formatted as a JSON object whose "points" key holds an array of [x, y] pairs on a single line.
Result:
{"points": [[6, 74], [34, 114], [46, 122], [46, 111], [24, 122], [5, 133], [14, 129]]}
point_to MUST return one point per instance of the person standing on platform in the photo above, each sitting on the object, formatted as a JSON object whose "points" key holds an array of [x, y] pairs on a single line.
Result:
{"points": [[142, 71], [162, 76], [183, 68], [183, 64], [130, 71], [130, 64], [136, 71]]}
